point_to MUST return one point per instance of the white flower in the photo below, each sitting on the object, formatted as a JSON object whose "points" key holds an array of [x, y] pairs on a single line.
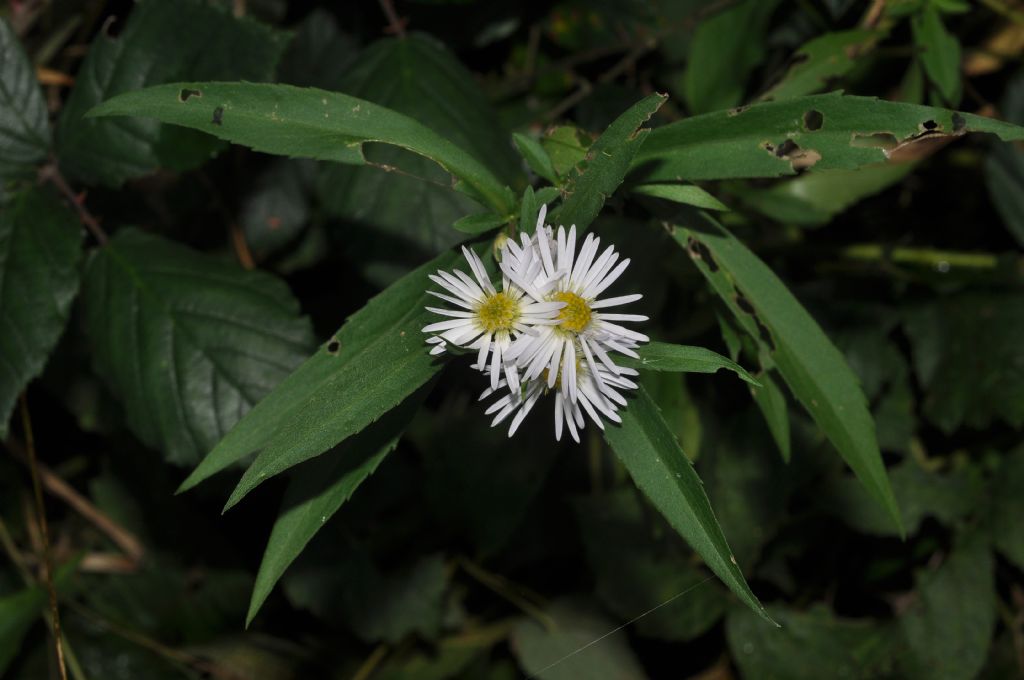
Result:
{"points": [[560, 274], [485, 319], [597, 395]]}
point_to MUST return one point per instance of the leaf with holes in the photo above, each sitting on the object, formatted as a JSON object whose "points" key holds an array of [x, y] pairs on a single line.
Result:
{"points": [[304, 122], [822, 132], [601, 171], [371, 364], [660, 469], [24, 124], [187, 342], [162, 41], [40, 257], [790, 339]]}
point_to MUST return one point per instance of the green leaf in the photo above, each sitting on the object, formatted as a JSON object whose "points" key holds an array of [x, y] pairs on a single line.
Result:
{"points": [[678, 407], [820, 61], [771, 400], [662, 356], [187, 342], [940, 54], [809, 645], [662, 472], [162, 41], [1006, 507], [24, 122], [419, 77], [969, 359], [600, 173], [479, 223], [949, 498], [826, 131], [40, 257], [18, 613], [318, 490], [370, 365], [319, 55], [687, 194], [725, 49], [566, 146], [566, 650], [948, 627], [635, 574], [305, 122], [748, 485], [815, 198], [276, 208], [1004, 167], [535, 156], [815, 371]]}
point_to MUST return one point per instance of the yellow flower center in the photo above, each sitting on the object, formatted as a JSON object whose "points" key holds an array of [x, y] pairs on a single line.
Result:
{"points": [[497, 313], [575, 316]]}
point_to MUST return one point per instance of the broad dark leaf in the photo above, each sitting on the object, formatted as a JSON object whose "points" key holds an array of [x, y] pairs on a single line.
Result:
{"points": [[24, 124], [40, 257], [188, 343], [162, 41]]}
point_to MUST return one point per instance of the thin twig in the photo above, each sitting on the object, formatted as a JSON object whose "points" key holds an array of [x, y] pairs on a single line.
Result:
{"points": [[55, 485], [238, 242], [396, 25], [873, 15], [370, 665], [37, 490], [51, 173], [529, 602]]}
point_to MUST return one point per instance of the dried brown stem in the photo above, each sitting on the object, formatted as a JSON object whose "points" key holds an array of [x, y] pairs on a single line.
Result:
{"points": [[396, 25], [37, 490], [55, 485], [51, 173]]}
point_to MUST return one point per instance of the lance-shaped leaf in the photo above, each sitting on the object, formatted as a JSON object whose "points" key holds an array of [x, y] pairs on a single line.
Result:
{"points": [[371, 364], [24, 128], [662, 356], [779, 138], [601, 172], [40, 257], [318, 490], [660, 469], [822, 60], [303, 122], [187, 342], [789, 338]]}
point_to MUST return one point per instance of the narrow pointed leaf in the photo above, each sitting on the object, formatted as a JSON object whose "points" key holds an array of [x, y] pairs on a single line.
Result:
{"points": [[662, 356], [790, 339], [602, 170], [660, 469], [779, 138], [318, 489], [370, 365], [303, 122]]}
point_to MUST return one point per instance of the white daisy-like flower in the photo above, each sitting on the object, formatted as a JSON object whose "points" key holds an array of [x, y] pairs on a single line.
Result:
{"points": [[486, 319], [560, 274], [597, 394]]}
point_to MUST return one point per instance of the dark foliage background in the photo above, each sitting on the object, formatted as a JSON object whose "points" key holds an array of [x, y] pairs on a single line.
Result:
{"points": [[466, 554]]}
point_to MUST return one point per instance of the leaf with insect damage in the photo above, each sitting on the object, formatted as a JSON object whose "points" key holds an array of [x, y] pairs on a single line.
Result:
{"points": [[819, 132]]}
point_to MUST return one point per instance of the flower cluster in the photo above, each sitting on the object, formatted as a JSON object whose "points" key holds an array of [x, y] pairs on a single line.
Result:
{"points": [[545, 330]]}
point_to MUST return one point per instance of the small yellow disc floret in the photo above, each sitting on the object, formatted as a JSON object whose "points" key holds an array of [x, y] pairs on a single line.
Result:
{"points": [[497, 313], [575, 316]]}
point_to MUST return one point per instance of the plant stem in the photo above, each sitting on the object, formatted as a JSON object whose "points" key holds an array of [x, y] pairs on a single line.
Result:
{"points": [[37, 490], [51, 173]]}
